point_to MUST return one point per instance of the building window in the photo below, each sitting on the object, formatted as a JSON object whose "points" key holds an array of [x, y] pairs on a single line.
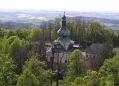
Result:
{"points": [[90, 55], [65, 61], [86, 56], [51, 58]]}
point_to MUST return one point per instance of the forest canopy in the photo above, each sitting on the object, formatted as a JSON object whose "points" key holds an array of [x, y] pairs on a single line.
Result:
{"points": [[20, 56]]}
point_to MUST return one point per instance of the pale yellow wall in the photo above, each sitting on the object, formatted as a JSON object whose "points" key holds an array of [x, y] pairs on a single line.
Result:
{"points": [[84, 53]]}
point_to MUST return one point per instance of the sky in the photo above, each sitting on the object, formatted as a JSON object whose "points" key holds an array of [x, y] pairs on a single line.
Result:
{"points": [[73, 5]]}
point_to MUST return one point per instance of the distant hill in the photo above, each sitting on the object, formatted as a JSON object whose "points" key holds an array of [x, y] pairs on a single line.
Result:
{"points": [[32, 18]]}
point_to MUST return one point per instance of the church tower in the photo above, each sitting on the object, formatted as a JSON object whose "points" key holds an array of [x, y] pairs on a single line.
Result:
{"points": [[63, 46], [63, 33]]}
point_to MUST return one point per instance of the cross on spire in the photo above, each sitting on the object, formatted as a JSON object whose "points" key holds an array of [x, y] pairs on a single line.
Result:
{"points": [[64, 12], [64, 18]]}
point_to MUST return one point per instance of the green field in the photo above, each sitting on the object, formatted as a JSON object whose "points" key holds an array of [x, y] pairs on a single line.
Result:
{"points": [[117, 24], [107, 24]]}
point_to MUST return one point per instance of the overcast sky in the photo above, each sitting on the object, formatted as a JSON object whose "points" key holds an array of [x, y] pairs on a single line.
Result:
{"points": [[81, 5]]}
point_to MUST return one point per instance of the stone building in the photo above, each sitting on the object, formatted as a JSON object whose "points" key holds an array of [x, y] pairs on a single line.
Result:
{"points": [[63, 47]]}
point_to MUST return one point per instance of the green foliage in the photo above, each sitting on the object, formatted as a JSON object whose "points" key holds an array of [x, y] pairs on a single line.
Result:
{"points": [[70, 27], [54, 31], [62, 83], [18, 51], [109, 71], [18, 32], [22, 33], [95, 33], [10, 33], [116, 40], [28, 34], [2, 32], [115, 52], [25, 33], [92, 78], [7, 75], [34, 35], [80, 31], [1, 39], [36, 67], [11, 39], [27, 79], [76, 65], [1, 45], [108, 75], [87, 33], [78, 81], [4, 46]]}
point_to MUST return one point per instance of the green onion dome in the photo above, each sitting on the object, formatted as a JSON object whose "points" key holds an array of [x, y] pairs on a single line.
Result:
{"points": [[63, 31]]}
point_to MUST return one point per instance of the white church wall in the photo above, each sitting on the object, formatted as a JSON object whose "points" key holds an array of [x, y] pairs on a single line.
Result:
{"points": [[49, 55]]}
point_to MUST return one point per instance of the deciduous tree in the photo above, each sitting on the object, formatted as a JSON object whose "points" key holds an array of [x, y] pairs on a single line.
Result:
{"points": [[18, 50], [92, 78], [36, 67], [7, 75], [27, 79], [76, 65], [109, 71]]}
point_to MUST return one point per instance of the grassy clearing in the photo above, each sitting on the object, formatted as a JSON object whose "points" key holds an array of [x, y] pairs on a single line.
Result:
{"points": [[107, 24], [22, 15], [36, 23], [32, 18], [117, 24]]}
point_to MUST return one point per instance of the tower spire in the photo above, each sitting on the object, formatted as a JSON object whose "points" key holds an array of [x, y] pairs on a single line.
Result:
{"points": [[64, 12], [63, 31], [64, 18]]}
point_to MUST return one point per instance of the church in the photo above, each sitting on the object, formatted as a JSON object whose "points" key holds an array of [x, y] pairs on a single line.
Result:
{"points": [[63, 47]]}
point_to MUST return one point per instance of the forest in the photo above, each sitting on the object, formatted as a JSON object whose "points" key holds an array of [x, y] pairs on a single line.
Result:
{"points": [[22, 63], [13, 25]]}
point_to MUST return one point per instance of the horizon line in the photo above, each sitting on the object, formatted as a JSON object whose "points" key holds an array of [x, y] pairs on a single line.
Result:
{"points": [[60, 10]]}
